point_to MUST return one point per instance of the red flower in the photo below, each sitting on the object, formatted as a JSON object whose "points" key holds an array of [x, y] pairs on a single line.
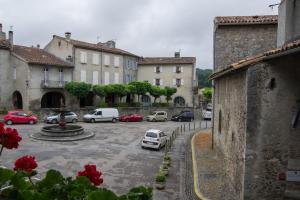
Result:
{"points": [[9, 137], [26, 164], [91, 173]]}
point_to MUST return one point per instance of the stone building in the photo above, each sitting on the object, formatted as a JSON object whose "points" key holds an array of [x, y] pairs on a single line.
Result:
{"points": [[100, 63], [31, 78], [256, 111], [174, 71]]}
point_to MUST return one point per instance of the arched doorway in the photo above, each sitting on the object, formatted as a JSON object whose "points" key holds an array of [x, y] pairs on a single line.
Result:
{"points": [[17, 100], [146, 100], [88, 100], [179, 102], [53, 100]]}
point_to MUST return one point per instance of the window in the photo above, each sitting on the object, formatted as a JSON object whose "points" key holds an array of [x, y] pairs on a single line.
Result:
{"points": [[59, 43], [220, 122], [117, 61], [116, 77], [178, 82], [95, 77], [157, 69], [106, 78], [46, 74], [61, 75], [106, 60], [15, 73], [83, 76], [99, 113], [161, 113], [95, 58], [157, 82], [83, 57], [178, 69]]}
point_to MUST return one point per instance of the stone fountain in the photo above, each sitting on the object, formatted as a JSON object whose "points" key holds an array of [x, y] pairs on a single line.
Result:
{"points": [[62, 131]]}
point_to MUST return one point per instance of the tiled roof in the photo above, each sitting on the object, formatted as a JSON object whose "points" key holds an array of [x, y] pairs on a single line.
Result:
{"points": [[245, 20], [97, 47], [166, 60], [39, 56], [4, 44], [247, 62]]}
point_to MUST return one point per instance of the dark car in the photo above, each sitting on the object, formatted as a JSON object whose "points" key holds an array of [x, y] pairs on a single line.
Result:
{"points": [[184, 116]]}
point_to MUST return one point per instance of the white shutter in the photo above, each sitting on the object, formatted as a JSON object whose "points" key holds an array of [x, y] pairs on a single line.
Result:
{"points": [[174, 81], [174, 69], [161, 82], [155, 69], [161, 69], [154, 81], [83, 57], [95, 77], [106, 78], [95, 59], [83, 76], [116, 77], [117, 61], [181, 69], [182, 82], [15, 73], [106, 60]]}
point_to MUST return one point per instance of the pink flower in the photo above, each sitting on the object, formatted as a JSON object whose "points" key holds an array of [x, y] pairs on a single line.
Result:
{"points": [[26, 164], [92, 174]]}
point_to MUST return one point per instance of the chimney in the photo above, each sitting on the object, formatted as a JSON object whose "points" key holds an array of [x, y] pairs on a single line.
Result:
{"points": [[38, 46], [110, 44], [11, 38], [2, 34], [288, 21], [68, 35], [177, 54]]}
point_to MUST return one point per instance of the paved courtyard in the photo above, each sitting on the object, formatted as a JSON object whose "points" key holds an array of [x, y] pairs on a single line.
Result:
{"points": [[115, 149]]}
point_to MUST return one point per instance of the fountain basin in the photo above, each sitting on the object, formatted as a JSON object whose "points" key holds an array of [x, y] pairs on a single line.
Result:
{"points": [[57, 131]]}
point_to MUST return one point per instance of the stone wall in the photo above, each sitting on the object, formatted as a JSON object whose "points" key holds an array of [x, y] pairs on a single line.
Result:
{"points": [[233, 43], [229, 131]]}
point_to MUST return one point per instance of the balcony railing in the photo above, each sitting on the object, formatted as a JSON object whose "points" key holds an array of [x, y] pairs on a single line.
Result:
{"points": [[53, 84]]}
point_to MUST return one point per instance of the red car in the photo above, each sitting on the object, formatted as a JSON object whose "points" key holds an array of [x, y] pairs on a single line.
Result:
{"points": [[131, 118], [19, 117]]}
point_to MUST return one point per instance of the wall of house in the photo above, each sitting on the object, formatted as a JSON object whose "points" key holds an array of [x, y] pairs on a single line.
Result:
{"points": [[112, 69], [272, 142], [147, 73], [233, 43], [59, 48], [229, 131], [6, 80]]}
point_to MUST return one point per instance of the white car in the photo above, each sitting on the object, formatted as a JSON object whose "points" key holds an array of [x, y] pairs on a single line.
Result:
{"points": [[155, 139], [157, 116], [206, 114], [102, 115]]}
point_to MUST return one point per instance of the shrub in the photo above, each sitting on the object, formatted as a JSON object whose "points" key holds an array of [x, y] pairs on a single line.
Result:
{"points": [[160, 177], [103, 105]]}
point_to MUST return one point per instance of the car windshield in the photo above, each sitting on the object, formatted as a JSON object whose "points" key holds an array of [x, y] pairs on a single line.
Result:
{"points": [[151, 134], [152, 113], [208, 109], [92, 112]]}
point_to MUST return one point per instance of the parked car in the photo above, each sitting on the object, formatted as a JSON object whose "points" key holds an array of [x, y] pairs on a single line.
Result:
{"points": [[184, 116], [131, 118], [209, 107], [157, 116], [206, 114], [69, 117], [102, 115], [155, 139], [19, 117]]}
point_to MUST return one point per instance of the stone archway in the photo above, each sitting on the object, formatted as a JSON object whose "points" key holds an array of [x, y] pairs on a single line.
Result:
{"points": [[17, 100], [179, 101], [146, 100], [52, 100]]}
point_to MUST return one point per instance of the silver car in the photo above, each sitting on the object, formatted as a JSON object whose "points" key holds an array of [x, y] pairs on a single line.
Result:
{"points": [[69, 117]]}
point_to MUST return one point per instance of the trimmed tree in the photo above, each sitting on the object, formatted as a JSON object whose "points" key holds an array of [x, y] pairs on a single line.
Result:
{"points": [[207, 93], [78, 89], [169, 91], [119, 90], [140, 88], [156, 92], [99, 90]]}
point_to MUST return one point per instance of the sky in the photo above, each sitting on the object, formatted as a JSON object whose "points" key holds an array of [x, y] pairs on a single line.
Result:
{"points": [[144, 27]]}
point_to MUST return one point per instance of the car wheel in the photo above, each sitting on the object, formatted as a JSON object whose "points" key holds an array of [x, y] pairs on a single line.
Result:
{"points": [[31, 122], [9, 122], [159, 147], [74, 120], [54, 121], [154, 120], [92, 120], [114, 120]]}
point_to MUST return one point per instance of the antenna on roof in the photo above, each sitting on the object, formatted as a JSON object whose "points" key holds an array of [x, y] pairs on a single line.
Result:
{"points": [[273, 5]]}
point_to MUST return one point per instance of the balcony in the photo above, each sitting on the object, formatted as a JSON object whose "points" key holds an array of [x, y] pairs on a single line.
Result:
{"points": [[53, 84]]}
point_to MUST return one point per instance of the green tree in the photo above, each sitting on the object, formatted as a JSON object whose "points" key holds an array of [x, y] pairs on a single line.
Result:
{"points": [[78, 89], [202, 76], [169, 91], [156, 92], [119, 90], [207, 93], [99, 90], [140, 88]]}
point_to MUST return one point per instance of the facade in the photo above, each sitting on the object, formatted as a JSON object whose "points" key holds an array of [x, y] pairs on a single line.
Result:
{"points": [[256, 116], [100, 63], [174, 71]]}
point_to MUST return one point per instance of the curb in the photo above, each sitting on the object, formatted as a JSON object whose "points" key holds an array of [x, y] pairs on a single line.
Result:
{"points": [[195, 172]]}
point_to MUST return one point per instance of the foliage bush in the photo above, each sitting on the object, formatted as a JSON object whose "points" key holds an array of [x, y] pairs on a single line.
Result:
{"points": [[160, 177], [169, 91], [103, 105], [78, 89], [160, 104], [207, 93]]}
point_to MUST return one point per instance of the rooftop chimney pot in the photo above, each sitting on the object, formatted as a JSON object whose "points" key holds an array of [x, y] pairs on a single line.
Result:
{"points": [[177, 54], [68, 35], [11, 38]]}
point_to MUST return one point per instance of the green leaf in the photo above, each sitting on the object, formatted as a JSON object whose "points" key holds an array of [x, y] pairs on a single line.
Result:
{"points": [[5, 176], [19, 182], [102, 194], [140, 193], [52, 178]]}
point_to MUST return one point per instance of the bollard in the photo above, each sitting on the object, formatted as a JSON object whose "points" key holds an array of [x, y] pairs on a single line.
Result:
{"points": [[206, 124], [194, 125], [183, 127], [189, 126]]}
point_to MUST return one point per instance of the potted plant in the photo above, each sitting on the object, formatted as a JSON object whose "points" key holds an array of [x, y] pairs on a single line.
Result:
{"points": [[160, 180]]}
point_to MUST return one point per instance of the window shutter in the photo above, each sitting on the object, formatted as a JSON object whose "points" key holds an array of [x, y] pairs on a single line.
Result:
{"points": [[181, 69], [95, 59], [106, 60], [116, 77], [161, 82], [83, 57], [161, 69], [83, 76], [182, 82], [95, 77], [154, 82], [174, 81], [117, 61], [174, 69], [106, 78], [154, 69]]}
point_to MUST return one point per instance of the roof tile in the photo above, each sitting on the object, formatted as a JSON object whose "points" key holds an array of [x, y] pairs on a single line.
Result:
{"points": [[166, 60], [246, 20]]}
